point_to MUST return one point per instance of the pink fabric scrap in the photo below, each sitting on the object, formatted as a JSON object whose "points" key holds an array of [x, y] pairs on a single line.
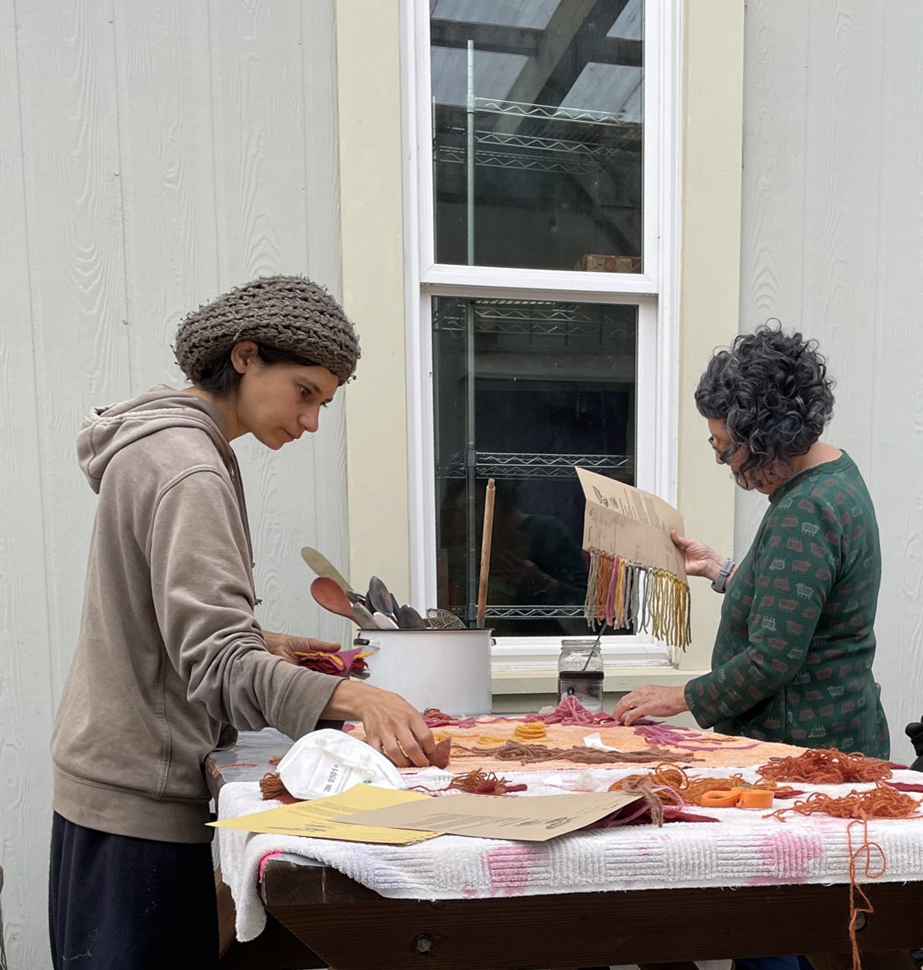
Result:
{"points": [[265, 859]]}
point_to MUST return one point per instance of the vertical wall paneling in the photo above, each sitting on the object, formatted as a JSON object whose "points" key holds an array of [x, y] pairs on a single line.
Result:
{"points": [[163, 97], [150, 157], [25, 660], [71, 158], [261, 144], [322, 218], [832, 232], [896, 416]]}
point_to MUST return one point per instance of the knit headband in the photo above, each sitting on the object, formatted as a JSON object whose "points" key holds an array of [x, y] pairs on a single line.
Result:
{"points": [[285, 312]]}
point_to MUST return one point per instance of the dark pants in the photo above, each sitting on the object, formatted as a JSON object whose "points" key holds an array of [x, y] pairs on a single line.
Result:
{"points": [[117, 903]]}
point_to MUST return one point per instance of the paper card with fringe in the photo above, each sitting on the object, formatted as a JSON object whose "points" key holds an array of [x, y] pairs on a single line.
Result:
{"points": [[637, 576]]}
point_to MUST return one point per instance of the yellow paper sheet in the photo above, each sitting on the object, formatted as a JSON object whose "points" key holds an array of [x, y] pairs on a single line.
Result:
{"points": [[319, 818]]}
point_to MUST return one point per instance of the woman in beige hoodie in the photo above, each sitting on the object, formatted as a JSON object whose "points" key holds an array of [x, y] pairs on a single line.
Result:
{"points": [[170, 655]]}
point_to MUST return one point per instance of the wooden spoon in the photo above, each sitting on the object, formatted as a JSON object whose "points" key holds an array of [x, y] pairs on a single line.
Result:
{"points": [[324, 567], [329, 594]]}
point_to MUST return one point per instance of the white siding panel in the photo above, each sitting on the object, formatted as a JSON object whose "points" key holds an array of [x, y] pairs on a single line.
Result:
{"points": [[167, 176], [322, 218], [25, 656], [71, 158], [151, 156], [896, 416], [831, 243], [264, 151]]}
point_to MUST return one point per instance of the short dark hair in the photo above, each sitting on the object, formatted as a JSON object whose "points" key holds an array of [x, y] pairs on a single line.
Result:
{"points": [[221, 377], [773, 394]]}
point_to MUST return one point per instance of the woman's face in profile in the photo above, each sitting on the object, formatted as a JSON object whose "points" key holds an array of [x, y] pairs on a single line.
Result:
{"points": [[732, 455], [726, 452]]}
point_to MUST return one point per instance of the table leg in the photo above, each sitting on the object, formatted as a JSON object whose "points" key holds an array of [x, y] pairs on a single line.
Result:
{"points": [[275, 948]]}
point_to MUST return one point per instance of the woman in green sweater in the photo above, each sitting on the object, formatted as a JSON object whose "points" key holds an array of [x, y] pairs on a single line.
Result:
{"points": [[793, 655]]}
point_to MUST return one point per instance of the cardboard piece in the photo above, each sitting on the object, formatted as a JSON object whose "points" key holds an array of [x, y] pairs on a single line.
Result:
{"points": [[631, 523], [528, 819], [324, 818]]}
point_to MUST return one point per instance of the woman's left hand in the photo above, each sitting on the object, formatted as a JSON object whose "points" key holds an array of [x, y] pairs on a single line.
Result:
{"points": [[650, 701], [287, 646]]}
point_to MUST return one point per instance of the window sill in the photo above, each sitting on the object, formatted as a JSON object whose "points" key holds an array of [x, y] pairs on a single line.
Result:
{"points": [[544, 680]]}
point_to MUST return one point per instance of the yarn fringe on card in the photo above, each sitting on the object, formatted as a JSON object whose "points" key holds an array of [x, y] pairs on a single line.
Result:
{"points": [[625, 594]]}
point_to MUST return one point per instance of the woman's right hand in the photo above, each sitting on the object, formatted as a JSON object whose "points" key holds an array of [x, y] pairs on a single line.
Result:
{"points": [[701, 560], [392, 726]]}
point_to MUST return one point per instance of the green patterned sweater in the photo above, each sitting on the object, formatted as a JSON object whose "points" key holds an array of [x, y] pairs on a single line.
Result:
{"points": [[793, 655]]}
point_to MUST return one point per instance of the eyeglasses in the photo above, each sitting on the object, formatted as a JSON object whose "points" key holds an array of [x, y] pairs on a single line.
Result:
{"points": [[724, 454]]}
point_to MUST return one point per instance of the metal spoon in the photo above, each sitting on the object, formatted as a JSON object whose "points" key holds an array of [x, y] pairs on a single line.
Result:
{"points": [[378, 597], [362, 616], [409, 619], [329, 594]]}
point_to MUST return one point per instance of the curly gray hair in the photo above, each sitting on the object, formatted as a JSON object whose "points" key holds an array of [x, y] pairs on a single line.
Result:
{"points": [[773, 394]]}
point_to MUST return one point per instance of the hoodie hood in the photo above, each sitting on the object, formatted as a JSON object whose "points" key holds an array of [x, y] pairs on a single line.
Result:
{"points": [[106, 431]]}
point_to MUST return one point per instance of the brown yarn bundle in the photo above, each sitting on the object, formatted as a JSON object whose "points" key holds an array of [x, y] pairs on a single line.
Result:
{"points": [[285, 312], [527, 754]]}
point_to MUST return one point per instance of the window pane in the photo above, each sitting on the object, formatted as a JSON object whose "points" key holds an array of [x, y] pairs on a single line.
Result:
{"points": [[523, 391], [537, 133]]}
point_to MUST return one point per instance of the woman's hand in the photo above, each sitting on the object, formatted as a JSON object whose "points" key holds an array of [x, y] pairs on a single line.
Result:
{"points": [[391, 725], [288, 646], [650, 701], [701, 560]]}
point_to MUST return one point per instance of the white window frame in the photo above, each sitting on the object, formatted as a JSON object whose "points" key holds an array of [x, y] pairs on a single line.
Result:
{"points": [[654, 292]]}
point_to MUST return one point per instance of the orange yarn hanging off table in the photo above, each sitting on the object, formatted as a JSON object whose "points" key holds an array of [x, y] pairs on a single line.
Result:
{"points": [[880, 802]]}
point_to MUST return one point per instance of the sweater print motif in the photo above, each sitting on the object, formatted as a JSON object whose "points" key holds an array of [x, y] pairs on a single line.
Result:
{"points": [[793, 656]]}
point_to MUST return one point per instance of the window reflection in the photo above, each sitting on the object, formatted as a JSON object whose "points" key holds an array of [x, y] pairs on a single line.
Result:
{"points": [[525, 390], [538, 133]]}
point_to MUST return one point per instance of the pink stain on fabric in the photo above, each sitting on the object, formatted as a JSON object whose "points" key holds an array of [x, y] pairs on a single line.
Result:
{"points": [[265, 859], [508, 869], [788, 855]]}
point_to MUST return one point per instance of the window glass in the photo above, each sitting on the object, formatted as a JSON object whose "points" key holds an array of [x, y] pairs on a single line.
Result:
{"points": [[538, 133], [523, 391]]}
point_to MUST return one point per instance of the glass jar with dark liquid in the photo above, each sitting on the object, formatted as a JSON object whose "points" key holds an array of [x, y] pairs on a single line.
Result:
{"points": [[580, 672]]}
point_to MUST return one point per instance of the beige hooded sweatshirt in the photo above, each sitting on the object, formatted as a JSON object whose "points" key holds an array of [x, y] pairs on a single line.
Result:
{"points": [[169, 652]]}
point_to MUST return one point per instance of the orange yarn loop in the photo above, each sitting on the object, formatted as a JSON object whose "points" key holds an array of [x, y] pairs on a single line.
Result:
{"points": [[690, 789]]}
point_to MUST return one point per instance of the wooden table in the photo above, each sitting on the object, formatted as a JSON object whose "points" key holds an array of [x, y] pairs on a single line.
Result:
{"points": [[320, 918]]}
